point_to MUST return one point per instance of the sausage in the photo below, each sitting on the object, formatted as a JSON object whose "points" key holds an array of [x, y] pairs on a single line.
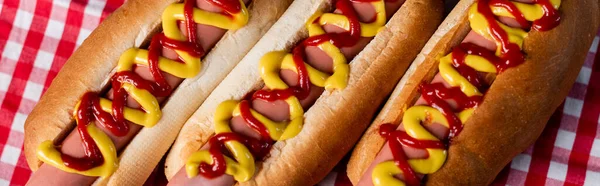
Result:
{"points": [[435, 128], [72, 145], [279, 110]]}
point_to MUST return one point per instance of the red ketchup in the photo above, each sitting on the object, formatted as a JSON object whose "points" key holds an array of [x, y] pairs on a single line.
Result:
{"points": [[550, 19], [435, 94], [90, 109], [260, 147], [396, 139]]}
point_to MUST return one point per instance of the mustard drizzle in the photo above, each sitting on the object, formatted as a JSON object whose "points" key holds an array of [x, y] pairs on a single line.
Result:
{"points": [[150, 113], [383, 173], [241, 166]]}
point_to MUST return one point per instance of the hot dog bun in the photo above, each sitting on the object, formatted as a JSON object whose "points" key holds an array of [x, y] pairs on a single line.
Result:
{"points": [[92, 65], [334, 123], [515, 108]]}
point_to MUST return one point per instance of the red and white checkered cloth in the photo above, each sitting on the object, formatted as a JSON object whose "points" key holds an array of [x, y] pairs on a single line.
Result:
{"points": [[37, 37]]}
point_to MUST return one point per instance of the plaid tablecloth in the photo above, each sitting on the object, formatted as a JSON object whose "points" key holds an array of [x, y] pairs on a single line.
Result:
{"points": [[37, 37]]}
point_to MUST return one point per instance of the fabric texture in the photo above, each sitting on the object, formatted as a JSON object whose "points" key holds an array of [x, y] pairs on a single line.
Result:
{"points": [[38, 36]]}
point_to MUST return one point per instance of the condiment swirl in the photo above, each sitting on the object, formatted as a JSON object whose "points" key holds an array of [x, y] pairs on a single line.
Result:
{"points": [[100, 153], [244, 150], [460, 70]]}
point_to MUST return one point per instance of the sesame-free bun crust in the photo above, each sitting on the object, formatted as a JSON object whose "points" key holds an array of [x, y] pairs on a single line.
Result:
{"points": [[94, 62], [338, 118], [515, 108]]}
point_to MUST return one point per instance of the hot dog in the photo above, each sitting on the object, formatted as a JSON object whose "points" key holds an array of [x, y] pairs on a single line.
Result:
{"points": [[285, 115], [138, 78], [483, 87]]}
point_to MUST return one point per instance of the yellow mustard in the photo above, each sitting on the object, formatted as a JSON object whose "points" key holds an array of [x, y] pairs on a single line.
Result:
{"points": [[47, 153], [151, 113], [270, 65], [383, 173]]}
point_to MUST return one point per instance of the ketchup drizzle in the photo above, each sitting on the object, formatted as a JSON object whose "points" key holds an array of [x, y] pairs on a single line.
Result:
{"points": [[90, 109], [435, 93], [344, 39], [455, 125], [389, 132], [253, 122], [190, 25], [258, 148], [231, 6], [512, 8], [440, 91], [511, 54], [550, 19], [301, 91], [459, 55]]}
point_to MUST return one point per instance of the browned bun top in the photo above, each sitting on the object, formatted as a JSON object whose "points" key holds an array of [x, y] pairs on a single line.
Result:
{"points": [[519, 103], [516, 107], [338, 119], [89, 69], [449, 34], [91, 66]]}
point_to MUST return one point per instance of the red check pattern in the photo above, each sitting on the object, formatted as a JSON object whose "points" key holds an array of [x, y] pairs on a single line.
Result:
{"points": [[37, 37]]}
